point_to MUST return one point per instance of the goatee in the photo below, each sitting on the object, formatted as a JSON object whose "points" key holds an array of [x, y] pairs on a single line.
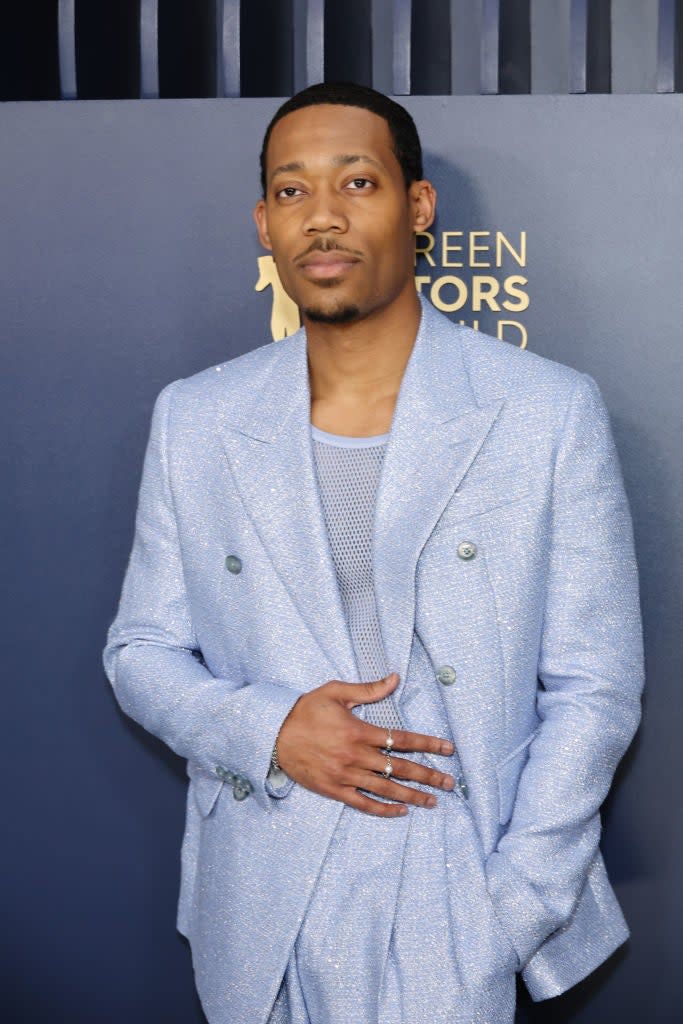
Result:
{"points": [[341, 315]]}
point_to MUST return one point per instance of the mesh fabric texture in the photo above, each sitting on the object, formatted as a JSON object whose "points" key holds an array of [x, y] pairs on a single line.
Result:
{"points": [[348, 470]]}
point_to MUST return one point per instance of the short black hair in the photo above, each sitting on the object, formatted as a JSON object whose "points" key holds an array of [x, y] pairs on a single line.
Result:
{"points": [[347, 94]]}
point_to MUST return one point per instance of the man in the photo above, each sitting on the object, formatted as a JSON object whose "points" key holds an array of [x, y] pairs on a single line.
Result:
{"points": [[383, 597]]}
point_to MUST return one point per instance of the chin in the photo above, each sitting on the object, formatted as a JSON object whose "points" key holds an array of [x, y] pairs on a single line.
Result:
{"points": [[344, 313]]}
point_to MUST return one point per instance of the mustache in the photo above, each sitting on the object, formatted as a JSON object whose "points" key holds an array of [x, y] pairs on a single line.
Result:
{"points": [[325, 245]]}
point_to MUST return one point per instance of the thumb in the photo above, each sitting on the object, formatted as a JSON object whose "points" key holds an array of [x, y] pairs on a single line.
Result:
{"points": [[366, 693]]}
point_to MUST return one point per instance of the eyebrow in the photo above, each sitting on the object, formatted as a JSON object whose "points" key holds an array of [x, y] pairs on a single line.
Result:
{"points": [[343, 160]]}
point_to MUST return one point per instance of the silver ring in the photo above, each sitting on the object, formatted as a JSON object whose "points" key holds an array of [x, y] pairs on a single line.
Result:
{"points": [[390, 741], [388, 768]]}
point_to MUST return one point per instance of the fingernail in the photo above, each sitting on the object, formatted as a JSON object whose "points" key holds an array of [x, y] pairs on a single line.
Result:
{"points": [[448, 782], [431, 801], [447, 748]]}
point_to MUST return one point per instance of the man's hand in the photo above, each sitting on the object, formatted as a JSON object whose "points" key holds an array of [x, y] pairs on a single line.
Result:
{"points": [[327, 749]]}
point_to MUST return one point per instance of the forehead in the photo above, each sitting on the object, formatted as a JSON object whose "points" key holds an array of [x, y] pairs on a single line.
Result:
{"points": [[320, 133]]}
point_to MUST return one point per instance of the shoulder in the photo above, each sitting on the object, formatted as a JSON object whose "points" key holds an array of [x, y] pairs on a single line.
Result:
{"points": [[499, 369], [230, 384]]}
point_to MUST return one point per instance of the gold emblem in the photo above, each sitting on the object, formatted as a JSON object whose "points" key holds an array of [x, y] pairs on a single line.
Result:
{"points": [[284, 317]]}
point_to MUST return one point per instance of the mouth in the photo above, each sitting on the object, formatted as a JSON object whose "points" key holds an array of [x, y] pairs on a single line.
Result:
{"points": [[321, 265]]}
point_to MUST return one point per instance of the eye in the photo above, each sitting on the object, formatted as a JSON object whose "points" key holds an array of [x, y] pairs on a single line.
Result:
{"points": [[288, 192], [360, 184]]}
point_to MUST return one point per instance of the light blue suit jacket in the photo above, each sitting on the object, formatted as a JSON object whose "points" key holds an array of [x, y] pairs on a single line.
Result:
{"points": [[489, 444]]}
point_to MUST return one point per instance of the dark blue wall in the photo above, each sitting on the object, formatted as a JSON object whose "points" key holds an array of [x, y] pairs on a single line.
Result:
{"points": [[128, 260]]}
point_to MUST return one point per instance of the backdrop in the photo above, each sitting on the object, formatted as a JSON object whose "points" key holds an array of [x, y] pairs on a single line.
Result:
{"points": [[129, 260]]}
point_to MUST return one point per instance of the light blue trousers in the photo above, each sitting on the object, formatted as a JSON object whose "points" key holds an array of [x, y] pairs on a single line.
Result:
{"points": [[400, 929]]}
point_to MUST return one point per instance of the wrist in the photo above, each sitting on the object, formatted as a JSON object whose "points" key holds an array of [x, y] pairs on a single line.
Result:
{"points": [[277, 743], [274, 758]]}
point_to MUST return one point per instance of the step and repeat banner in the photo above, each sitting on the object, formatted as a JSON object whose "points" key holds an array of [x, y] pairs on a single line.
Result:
{"points": [[129, 259]]}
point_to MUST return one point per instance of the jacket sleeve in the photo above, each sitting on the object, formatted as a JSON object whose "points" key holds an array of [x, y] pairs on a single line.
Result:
{"points": [[591, 674], [152, 657]]}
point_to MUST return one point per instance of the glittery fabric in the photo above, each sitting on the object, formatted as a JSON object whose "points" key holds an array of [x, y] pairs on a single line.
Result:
{"points": [[405, 934], [385, 904], [502, 539], [401, 909]]}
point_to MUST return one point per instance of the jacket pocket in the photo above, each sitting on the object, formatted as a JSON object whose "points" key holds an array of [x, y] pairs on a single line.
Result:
{"points": [[508, 771]]}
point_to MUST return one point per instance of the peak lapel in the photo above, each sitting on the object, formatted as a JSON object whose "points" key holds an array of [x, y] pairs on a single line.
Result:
{"points": [[436, 433], [270, 455]]}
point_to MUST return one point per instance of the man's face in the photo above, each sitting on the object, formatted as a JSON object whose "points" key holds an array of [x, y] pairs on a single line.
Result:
{"points": [[337, 215]]}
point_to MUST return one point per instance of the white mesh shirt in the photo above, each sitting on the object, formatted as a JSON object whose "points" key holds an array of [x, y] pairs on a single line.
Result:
{"points": [[348, 471]]}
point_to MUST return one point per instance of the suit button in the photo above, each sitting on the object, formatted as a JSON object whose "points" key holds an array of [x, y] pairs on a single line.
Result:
{"points": [[233, 564], [446, 675], [462, 786], [219, 771], [467, 549], [242, 788]]}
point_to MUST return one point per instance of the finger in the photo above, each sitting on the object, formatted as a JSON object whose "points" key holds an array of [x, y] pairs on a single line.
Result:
{"points": [[391, 790], [363, 693], [402, 768], [365, 803], [404, 740]]}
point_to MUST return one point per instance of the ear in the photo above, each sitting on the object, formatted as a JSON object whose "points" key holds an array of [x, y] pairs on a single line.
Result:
{"points": [[423, 203], [262, 224]]}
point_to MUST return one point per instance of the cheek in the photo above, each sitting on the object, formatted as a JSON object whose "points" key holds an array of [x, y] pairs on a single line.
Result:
{"points": [[281, 232], [398, 238], [282, 253], [396, 255]]}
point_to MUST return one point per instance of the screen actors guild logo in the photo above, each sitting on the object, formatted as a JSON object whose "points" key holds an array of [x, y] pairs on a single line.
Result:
{"points": [[284, 316], [487, 285]]}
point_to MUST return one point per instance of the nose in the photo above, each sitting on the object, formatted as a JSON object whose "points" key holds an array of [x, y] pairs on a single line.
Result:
{"points": [[324, 212]]}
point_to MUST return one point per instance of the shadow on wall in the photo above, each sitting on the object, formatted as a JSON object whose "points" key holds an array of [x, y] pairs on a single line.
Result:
{"points": [[473, 268]]}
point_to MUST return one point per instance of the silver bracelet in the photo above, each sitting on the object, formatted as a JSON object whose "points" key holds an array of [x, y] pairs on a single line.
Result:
{"points": [[274, 763]]}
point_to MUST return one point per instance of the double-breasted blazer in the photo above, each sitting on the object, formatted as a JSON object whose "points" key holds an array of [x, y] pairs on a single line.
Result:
{"points": [[502, 539]]}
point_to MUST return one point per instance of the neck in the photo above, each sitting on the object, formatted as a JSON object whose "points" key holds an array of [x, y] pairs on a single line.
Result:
{"points": [[356, 369]]}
